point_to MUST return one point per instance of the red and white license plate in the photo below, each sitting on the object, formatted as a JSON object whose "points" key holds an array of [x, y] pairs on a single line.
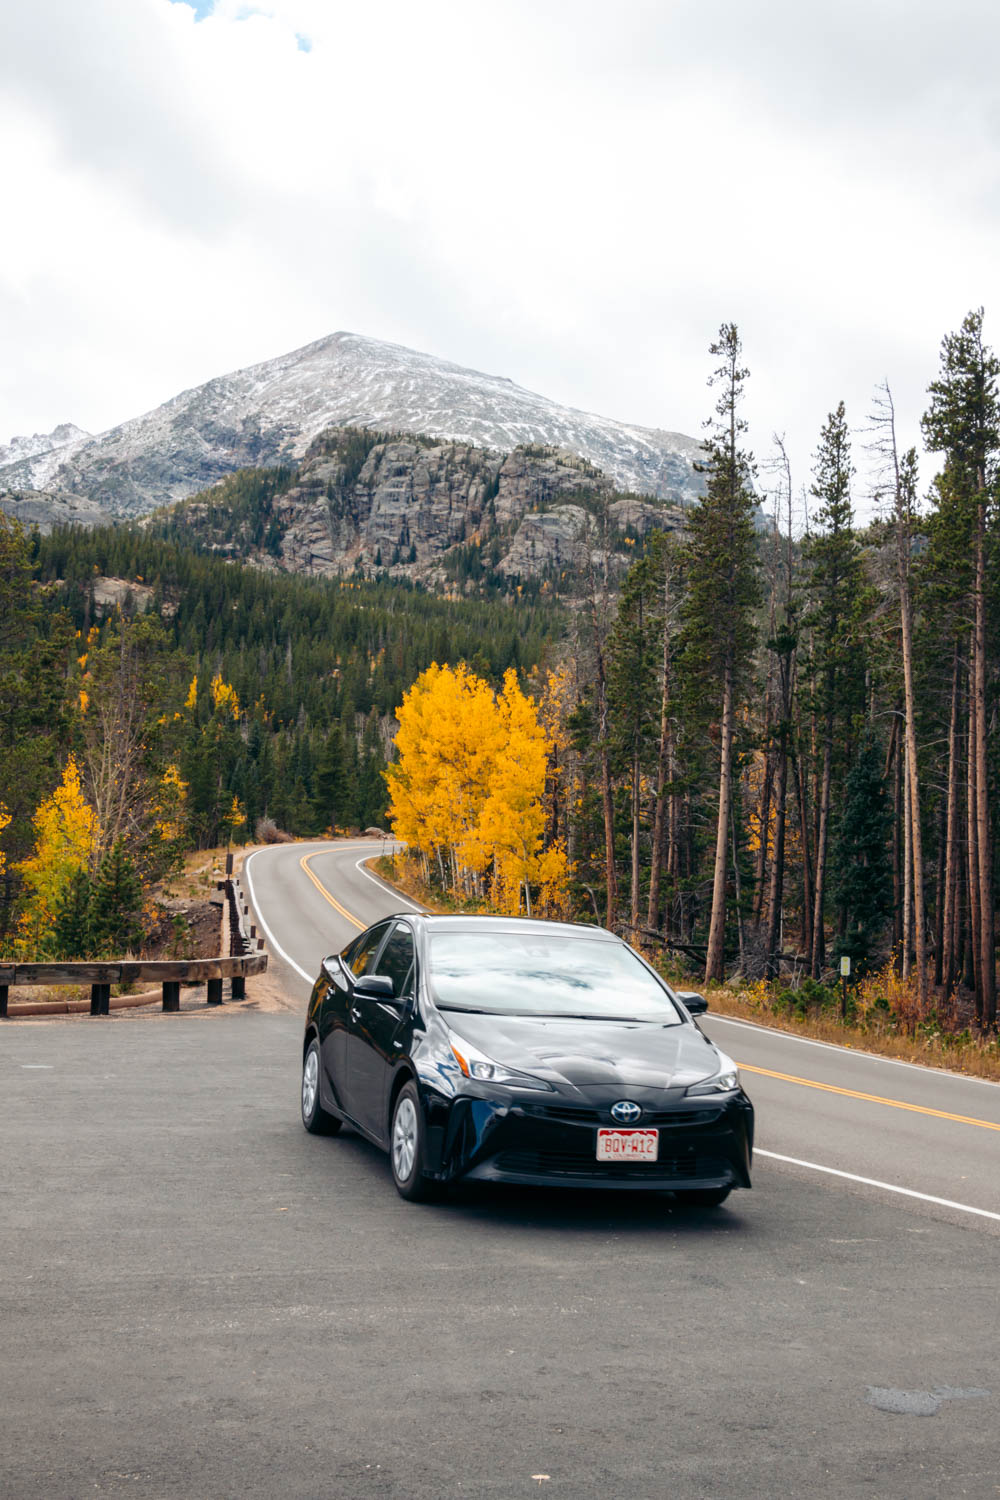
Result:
{"points": [[627, 1145]]}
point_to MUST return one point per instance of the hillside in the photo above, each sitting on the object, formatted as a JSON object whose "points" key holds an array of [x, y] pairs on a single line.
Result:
{"points": [[269, 414]]}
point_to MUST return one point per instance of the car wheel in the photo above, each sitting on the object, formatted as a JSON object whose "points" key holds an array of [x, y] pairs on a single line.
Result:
{"points": [[406, 1147], [702, 1197], [314, 1117]]}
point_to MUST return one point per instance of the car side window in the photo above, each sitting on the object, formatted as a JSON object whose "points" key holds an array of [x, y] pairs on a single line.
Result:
{"points": [[396, 959], [361, 957]]}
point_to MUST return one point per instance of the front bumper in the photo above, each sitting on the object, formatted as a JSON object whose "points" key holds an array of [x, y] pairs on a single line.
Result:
{"points": [[538, 1140]]}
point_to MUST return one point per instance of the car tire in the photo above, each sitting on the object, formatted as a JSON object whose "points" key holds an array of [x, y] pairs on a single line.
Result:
{"points": [[315, 1118], [407, 1135], [702, 1197]]}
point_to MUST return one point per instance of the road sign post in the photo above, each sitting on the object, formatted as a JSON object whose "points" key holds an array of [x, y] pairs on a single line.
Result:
{"points": [[845, 969]]}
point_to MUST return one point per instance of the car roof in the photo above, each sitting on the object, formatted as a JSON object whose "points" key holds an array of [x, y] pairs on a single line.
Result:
{"points": [[453, 922]]}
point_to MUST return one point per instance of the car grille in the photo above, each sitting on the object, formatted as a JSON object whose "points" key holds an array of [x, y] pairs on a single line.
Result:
{"points": [[577, 1164], [573, 1114], [680, 1116]]}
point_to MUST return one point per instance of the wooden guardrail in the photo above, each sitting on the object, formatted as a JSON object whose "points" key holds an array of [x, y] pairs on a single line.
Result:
{"points": [[170, 973]]}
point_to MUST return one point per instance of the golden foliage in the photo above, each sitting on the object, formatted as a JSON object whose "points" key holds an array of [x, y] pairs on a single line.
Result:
{"points": [[224, 696], [65, 828], [469, 783], [191, 701], [168, 809]]}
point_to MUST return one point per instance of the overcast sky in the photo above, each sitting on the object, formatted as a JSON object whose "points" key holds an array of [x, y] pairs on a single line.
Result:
{"points": [[571, 193]]}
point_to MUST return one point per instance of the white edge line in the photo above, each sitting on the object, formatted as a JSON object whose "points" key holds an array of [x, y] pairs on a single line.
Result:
{"points": [[887, 1187], [875, 1057], [267, 931], [385, 886]]}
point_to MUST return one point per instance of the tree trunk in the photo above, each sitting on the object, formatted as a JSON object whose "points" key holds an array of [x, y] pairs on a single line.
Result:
{"points": [[912, 782], [715, 956], [608, 806], [984, 839], [950, 929], [659, 816], [971, 806], [893, 764], [636, 789], [777, 882], [807, 887], [737, 884], [907, 945], [818, 956]]}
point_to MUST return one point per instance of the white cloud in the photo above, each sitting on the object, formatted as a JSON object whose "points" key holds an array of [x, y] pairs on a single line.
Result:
{"points": [[572, 195]]}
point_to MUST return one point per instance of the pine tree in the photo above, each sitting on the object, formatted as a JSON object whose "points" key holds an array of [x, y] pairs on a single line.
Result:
{"points": [[331, 784], [116, 909], [963, 423], [722, 594], [833, 569], [72, 925]]}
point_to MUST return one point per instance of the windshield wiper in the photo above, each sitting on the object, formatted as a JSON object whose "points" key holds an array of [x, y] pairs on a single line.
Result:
{"points": [[471, 1010]]}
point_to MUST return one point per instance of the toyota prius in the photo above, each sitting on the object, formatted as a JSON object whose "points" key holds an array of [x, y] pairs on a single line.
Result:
{"points": [[495, 1049]]}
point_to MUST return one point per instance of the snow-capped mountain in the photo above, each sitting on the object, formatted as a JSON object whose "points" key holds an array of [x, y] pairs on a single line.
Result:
{"points": [[21, 448], [270, 412]]}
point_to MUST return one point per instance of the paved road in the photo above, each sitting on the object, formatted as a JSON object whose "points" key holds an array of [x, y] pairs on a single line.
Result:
{"points": [[200, 1300]]}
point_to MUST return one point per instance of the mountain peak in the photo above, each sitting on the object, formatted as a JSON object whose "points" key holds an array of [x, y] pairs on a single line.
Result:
{"points": [[268, 413]]}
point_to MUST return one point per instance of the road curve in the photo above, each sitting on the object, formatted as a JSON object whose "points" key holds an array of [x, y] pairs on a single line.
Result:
{"points": [[927, 1140]]}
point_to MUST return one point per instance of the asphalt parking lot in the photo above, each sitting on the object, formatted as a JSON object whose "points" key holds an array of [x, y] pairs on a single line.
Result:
{"points": [[200, 1300]]}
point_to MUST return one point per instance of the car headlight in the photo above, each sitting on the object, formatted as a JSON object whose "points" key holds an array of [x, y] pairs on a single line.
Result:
{"points": [[723, 1082], [476, 1065]]}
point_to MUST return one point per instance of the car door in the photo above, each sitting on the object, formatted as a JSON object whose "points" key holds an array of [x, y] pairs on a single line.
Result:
{"points": [[373, 1030], [335, 1020]]}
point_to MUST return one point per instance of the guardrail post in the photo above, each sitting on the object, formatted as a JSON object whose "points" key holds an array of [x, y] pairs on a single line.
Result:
{"points": [[171, 994], [238, 988], [215, 992], [100, 999], [3, 1002]]}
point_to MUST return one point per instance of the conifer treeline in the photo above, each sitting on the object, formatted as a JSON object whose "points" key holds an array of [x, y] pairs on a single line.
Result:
{"points": [[782, 753]]}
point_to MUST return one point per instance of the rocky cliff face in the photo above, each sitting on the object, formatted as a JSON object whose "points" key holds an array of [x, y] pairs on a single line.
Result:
{"points": [[45, 509], [441, 513], [271, 412]]}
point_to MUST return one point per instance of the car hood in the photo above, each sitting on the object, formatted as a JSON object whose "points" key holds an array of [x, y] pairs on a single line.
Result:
{"points": [[584, 1054]]}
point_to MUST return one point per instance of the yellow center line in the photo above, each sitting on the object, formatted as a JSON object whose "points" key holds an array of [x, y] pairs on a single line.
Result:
{"points": [[304, 863], [832, 1088]]}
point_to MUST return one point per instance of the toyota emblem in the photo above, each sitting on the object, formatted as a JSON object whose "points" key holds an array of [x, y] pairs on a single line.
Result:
{"points": [[625, 1112]]}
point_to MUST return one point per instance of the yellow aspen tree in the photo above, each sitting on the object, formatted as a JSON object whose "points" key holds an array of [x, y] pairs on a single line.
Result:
{"points": [[223, 695], [469, 784], [66, 829]]}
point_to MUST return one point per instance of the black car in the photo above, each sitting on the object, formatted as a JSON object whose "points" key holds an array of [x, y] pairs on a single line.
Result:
{"points": [[499, 1049]]}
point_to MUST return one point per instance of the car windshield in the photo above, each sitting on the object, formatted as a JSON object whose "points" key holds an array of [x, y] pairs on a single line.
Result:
{"points": [[538, 974]]}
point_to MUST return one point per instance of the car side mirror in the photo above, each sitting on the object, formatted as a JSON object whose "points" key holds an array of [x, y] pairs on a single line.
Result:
{"points": [[693, 1003], [375, 986], [332, 968]]}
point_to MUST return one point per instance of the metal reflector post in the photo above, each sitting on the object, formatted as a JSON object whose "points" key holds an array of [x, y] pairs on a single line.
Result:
{"points": [[845, 970]]}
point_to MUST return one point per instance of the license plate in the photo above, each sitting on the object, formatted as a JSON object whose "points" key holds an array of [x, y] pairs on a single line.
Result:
{"points": [[627, 1145]]}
